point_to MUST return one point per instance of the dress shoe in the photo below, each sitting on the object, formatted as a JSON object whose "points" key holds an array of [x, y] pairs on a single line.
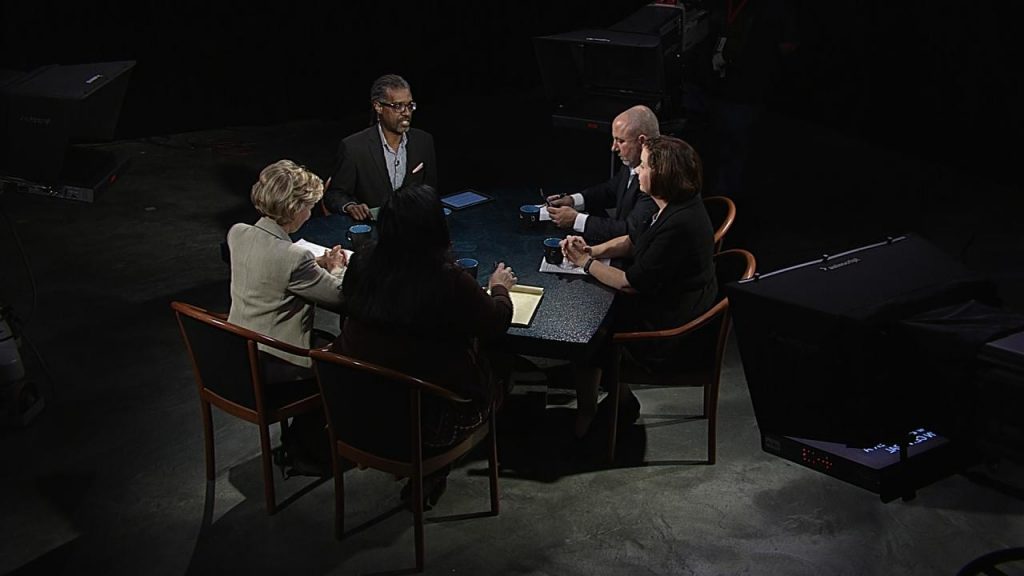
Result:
{"points": [[282, 460], [293, 461], [304, 465], [438, 490]]}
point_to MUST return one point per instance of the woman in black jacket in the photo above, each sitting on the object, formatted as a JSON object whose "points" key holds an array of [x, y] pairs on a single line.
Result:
{"points": [[671, 276]]}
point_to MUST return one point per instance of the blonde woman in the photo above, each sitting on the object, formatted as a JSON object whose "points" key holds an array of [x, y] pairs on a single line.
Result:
{"points": [[276, 285]]}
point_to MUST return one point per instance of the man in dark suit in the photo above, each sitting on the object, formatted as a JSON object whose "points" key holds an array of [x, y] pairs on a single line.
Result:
{"points": [[374, 162], [616, 207]]}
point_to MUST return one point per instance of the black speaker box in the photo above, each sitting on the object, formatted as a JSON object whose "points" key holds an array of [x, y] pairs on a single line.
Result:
{"points": [[820, 346]]}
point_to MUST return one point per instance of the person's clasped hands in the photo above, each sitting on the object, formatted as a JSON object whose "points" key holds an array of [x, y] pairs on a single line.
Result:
{"points": [[333, 259], [575, 249]]}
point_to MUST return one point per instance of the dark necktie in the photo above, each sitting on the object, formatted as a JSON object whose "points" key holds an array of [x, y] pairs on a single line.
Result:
{"points": [[624, 197]]}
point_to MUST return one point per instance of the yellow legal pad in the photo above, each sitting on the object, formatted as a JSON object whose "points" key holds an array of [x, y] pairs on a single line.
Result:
{"points": [[525, 300]]}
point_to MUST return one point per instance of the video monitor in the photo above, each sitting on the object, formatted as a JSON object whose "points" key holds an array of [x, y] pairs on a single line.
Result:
{"points": [[54, 106], [599, 59], [824, 351]]}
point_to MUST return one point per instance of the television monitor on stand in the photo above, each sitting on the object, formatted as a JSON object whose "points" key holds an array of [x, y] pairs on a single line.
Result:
{"points": [[591, 75], [49, 113]]}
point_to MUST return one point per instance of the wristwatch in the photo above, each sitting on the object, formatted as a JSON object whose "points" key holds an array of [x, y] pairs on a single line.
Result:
{"points": [[586, 265]]}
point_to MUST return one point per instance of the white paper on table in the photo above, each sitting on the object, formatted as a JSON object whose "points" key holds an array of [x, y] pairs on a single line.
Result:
{"points": [[317, 251], [566, 267], [544, 215]]}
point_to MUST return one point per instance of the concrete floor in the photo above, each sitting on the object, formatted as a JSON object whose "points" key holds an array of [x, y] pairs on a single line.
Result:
{"points": [[109, 479]]}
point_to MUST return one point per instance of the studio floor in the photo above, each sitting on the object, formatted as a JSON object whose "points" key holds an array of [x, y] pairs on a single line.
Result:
{"points": [[109, 477]]}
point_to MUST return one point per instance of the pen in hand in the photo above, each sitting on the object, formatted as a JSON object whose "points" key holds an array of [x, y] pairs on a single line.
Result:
{"points": [[547, 199]]}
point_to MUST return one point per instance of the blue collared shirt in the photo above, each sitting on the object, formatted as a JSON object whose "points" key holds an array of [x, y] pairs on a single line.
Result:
{"points": [[394, 160]]}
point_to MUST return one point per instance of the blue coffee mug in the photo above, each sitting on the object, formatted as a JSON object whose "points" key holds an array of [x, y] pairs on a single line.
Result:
{"points": [[358, 235], [470, 265], [529, 214], [553, 251]]}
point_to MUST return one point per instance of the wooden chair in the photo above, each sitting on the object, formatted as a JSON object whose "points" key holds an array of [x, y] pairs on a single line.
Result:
{"points": [[722, 211], [230, 375], [708, 332], [368, 405]]}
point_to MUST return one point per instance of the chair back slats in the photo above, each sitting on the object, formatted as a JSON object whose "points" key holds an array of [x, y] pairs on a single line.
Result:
{"points": [[222, 359]]}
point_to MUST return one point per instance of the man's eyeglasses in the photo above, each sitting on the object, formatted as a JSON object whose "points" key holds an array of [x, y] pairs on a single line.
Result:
{"points": [[399, 106]]}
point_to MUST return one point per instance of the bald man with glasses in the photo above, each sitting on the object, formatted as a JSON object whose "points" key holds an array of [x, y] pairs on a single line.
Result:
{"points": [[374, 162]]}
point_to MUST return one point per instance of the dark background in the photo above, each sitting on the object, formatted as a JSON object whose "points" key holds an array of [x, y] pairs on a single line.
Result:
{"points": [[890, 117], [934, 79]]}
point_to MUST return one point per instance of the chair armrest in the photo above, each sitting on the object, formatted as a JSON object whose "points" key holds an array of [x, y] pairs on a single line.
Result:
{"points": [[436, 390], [324, 355], [278, 344], [692, 325]]}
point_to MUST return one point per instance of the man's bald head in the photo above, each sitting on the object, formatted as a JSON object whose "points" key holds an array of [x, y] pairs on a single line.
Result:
{"points": [[641, 120], [630, 130]]}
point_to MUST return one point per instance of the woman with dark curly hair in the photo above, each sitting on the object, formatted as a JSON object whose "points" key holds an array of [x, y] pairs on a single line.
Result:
{"points": [[412, 309]]}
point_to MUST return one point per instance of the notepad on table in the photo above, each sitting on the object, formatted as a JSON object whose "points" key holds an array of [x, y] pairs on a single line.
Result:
{"points": [[525, 300]]}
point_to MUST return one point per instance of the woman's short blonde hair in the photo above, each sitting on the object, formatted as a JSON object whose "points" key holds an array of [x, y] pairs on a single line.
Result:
{"points": [[283, 189]]}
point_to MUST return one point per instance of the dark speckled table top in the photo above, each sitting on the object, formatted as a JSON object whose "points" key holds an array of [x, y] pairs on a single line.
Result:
{"points": [[573, 306]]}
